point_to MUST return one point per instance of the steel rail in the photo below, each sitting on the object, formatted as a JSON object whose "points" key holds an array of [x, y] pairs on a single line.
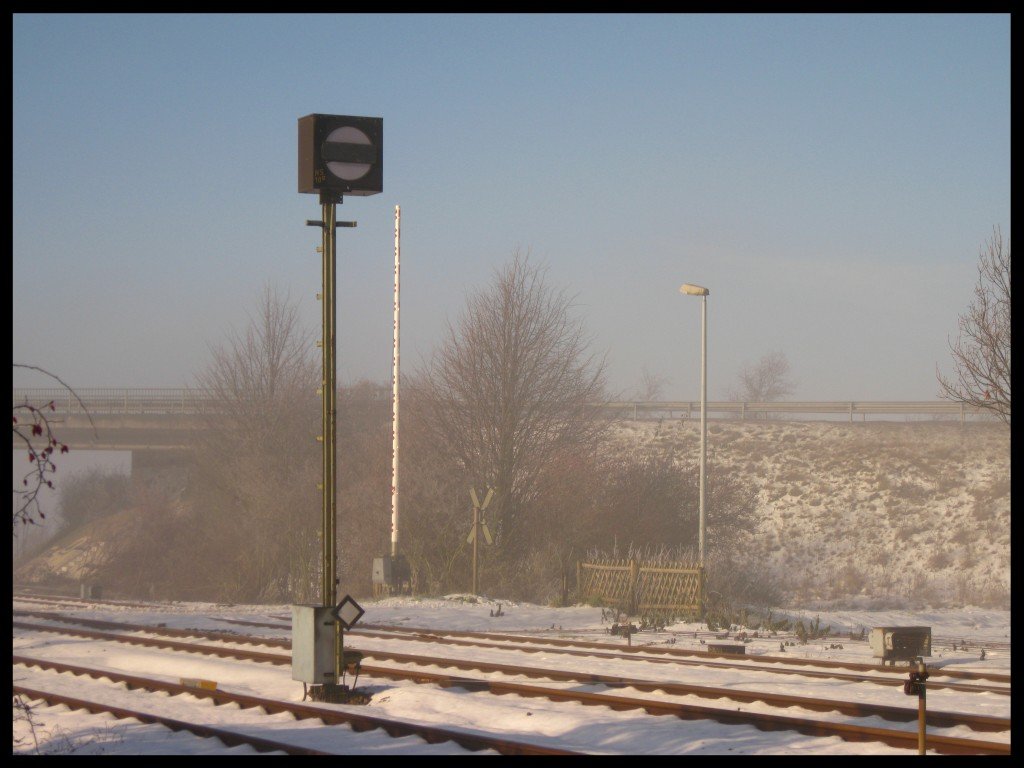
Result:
{"points": [[573, 647], [682, 652], [358, 722], [221, 651], [559, 642], [989, 644], [936, 640], [70, 600], [935, 718], [695, 658], [769, 722], [761, 721], [230, 738]]}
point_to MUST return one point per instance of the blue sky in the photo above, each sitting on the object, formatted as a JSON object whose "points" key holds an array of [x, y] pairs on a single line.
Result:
{"points": [[830, 178]]}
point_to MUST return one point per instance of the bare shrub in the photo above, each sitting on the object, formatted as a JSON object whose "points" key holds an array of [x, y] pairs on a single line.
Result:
{"points": [[86, 496], [911, 492], [244, 529], [939, 559], [767, 380]]}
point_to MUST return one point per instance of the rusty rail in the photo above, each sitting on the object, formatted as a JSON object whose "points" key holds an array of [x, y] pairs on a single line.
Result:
{"points": [[358, 722], [764, 722]]}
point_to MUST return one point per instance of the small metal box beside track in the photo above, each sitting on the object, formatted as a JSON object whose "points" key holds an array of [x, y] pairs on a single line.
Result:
{"points": [[900, 643], [313, 659], [382, 570], [734, 648], [90, 591]]}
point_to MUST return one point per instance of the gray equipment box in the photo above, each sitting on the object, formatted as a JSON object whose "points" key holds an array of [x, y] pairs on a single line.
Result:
{"points": [[900, 643], [90, 591], [727, 648], [390, 570], [313, 659], [382, 570]]}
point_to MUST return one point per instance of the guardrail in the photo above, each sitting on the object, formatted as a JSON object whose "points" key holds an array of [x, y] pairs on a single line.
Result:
{"points": [[108, 401], [743, 410], [185, 401]]}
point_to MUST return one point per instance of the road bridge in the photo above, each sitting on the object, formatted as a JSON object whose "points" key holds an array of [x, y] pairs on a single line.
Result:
{"points": [[164, 419]]}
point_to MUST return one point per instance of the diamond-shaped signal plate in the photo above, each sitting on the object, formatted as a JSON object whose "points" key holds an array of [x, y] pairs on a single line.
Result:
{"points": [[348, 612]]}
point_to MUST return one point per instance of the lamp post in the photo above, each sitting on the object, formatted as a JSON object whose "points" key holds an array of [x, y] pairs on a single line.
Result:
{"points": [[696, 290]]}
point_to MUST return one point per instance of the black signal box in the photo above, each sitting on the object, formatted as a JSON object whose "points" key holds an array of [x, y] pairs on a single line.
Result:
{"points": [[341, 154]]}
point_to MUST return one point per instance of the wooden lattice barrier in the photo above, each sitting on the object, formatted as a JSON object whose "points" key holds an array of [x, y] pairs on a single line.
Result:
{"points": [[644, 587]]}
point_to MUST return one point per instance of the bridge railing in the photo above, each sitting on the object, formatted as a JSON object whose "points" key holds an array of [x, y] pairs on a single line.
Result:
{"points": [[743, 410], [106, 401], [188, 401]]}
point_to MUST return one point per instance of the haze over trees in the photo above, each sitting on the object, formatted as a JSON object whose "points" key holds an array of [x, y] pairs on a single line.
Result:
{"points": [[981, 352], [242, 523], [257, 461], [507, 402], [88, 496]]}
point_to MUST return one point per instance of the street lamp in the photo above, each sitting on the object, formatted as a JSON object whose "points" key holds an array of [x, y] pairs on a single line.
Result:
{"points": [[696, 290]]}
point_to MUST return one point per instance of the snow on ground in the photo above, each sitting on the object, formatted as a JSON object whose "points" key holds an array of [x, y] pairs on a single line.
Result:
{"points": [[592, 729], [912, 513]]}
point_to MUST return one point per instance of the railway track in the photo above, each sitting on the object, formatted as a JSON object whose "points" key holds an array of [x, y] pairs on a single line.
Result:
{"points": [[91, 602], [703, 656], [452, 637], [723, 659], [228, 737], [804, 667], [938, 641], [357, 721], [847, 731]]}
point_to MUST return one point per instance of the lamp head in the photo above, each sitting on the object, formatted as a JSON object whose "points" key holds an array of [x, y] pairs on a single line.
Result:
{"points": [[693, 290]]}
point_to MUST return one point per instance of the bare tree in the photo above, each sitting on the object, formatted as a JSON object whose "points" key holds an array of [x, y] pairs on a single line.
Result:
{"points": [[512, 387], [981, 354], [251, 488], [258, 379], [765, 381], [258, 462], [651, 386]]}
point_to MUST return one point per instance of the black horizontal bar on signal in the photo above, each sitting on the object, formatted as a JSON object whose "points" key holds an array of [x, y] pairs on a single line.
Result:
{"points": [[344, 152]]}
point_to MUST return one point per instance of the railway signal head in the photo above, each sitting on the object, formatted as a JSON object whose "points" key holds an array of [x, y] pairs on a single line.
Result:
{"points": [[341, 154]]}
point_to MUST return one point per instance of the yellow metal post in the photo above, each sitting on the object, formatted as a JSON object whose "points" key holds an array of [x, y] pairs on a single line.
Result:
{"points": [[476, 544], [921, 708], [329, 505]]}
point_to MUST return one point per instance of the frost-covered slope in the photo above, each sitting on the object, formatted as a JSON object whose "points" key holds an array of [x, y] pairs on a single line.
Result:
{"points": [[880, 512]]}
